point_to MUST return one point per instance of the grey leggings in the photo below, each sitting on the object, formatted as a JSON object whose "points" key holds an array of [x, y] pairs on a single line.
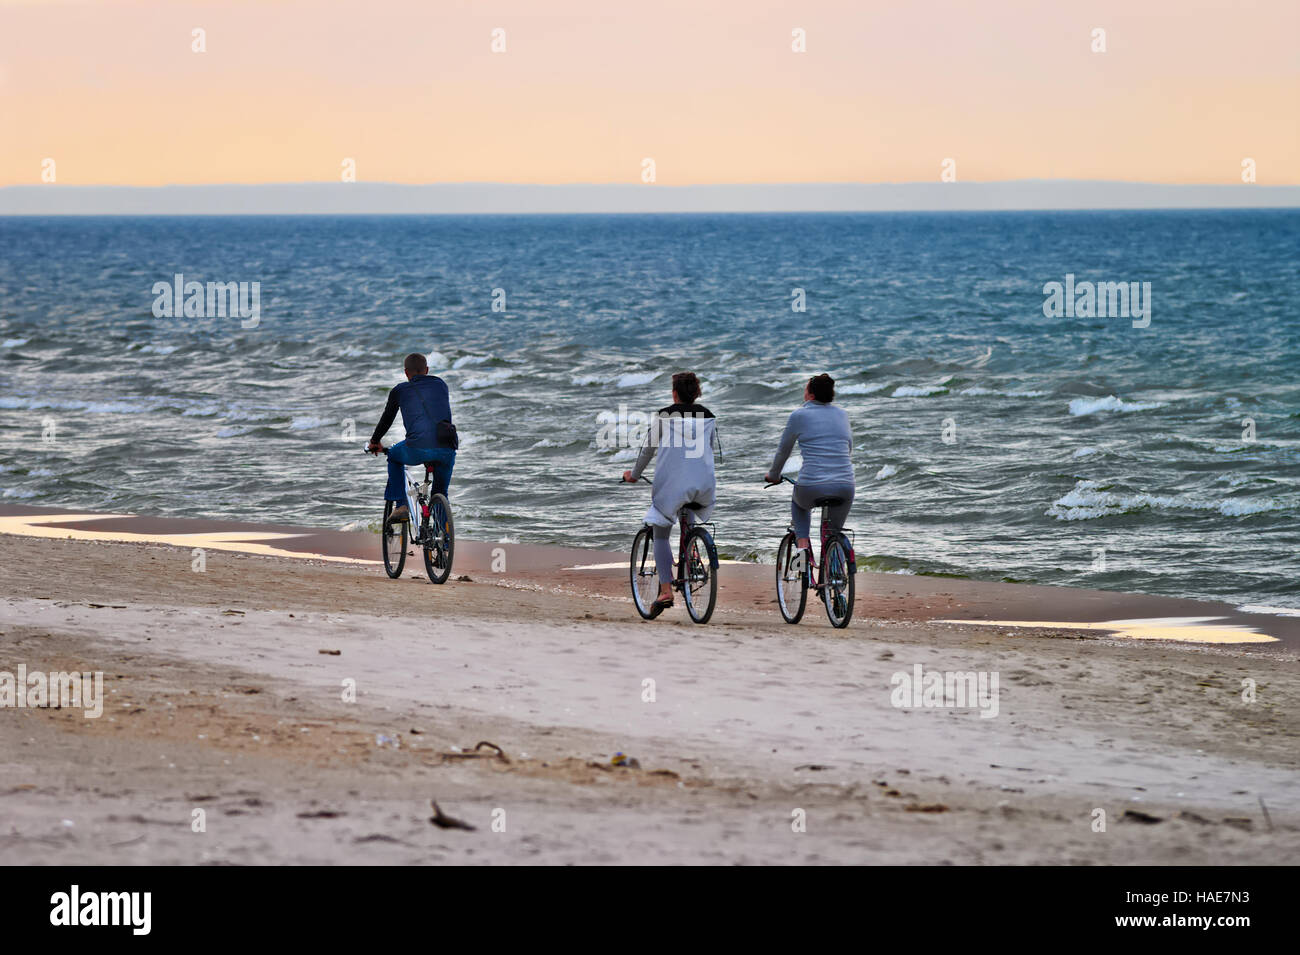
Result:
{"points": [[801, 503], [664, 547]]}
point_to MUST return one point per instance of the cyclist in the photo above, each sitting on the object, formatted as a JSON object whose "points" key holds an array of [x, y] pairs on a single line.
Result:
{"points": [[825, 442], [684, 484], [430, 435]]}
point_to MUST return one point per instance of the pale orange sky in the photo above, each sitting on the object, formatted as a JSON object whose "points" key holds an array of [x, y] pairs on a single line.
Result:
{"points": [[710, 90]]}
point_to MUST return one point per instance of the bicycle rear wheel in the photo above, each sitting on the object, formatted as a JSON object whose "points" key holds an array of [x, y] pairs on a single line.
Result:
{"points": [[791, 580], [837, 593], [393, 542], [699, 582], [642, 574], [439, 540]]}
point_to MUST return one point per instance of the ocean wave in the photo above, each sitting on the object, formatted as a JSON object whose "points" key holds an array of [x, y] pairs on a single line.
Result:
{"points": [[372, 526], [14, 342], [467, 360], [489, 380], [17, 492], [307, 423], [90, 407], [634, 379], [1087, 500], [1084, 452], [979, 390], [1276, 611], [914, 391], [888, 471], [861, 389], [1086, 406]]}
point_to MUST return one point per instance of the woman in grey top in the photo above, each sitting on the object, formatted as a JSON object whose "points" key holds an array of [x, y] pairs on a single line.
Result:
{"points": [[825, 442]]}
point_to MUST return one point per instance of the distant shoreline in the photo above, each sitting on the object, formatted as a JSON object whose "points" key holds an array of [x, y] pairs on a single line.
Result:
{"points": [[365, 198]]}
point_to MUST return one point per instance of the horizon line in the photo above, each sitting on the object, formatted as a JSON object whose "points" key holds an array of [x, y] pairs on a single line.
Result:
{"points": [[486, 197]]}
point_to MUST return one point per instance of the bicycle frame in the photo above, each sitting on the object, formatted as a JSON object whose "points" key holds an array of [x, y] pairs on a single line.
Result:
{"points": [[681, 547], [844, 532], [417, 498]]}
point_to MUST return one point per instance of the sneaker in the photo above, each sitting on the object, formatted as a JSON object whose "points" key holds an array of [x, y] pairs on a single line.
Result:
{"points": [[402, 513]]}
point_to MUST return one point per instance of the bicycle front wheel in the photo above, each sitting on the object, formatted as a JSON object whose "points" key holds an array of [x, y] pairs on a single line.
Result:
{"points": [[439, 540], [838, 590], [699, 581], [791, 579], [642, 574], [393, 543]]}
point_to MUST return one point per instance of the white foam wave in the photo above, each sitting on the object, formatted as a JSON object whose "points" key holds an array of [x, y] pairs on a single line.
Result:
{"points": [[489, 380], [861, 389], [887, 471], [306, 423], [634, 379], [914, 391], [1086, 406], [1087, 500], [1276, 611]]}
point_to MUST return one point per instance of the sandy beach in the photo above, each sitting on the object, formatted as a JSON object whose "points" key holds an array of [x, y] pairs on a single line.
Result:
{"points": [[223, 691]]}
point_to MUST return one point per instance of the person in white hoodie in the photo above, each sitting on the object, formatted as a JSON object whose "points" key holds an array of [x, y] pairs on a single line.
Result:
{"points": [[680, 438]]}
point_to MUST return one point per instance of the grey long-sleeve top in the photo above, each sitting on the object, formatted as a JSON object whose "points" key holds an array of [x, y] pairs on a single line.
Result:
{"points": [[825, 441]]}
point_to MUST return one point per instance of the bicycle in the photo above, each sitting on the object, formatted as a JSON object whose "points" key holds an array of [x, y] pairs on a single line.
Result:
{"points": [[835, 574], [435, 534], [696, 568]]}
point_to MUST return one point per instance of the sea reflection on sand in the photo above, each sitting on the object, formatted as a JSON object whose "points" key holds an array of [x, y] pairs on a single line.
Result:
{"points": [[1185, 629], [245, 542]]}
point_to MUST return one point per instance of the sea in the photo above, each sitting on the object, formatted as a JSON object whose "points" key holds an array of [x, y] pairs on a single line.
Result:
{"points": [[1005, 428]]}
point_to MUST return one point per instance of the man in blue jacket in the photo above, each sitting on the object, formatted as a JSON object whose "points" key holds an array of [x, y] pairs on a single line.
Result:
{"points": [[430, 436]]}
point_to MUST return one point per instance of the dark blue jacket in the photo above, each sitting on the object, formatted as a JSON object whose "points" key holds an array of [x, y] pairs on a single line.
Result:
{"points": [[423, 402]]}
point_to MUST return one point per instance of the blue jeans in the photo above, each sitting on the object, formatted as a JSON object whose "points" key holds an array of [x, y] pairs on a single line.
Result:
{"points": [[400, 455]]}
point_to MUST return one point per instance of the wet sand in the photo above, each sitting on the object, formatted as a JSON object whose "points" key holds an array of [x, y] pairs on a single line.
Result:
{"points": [[224, 693]]}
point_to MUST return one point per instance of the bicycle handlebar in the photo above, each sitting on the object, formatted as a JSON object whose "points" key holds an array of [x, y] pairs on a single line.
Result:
{"points": [[641, 478], [784, 480]]}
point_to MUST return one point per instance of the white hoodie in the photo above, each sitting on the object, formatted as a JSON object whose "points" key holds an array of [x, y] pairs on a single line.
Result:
{"points": [[683, 464]]}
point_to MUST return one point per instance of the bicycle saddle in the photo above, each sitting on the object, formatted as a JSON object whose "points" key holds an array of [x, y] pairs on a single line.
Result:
{"points": [[693, 505], [828, 502]]}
